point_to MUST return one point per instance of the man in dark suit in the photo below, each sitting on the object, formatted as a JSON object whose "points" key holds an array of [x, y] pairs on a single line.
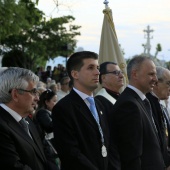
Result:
{"points": [[161, 91], [133, 127], [111, 80], [81, 139], [20, 144]]}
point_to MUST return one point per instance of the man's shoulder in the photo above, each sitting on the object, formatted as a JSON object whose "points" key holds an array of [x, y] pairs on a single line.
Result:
{"points": [[69, 99], [102, 91], [128, 93], [102, 99], [105, 97], [4, 115], [127, 97], [65, 99]]}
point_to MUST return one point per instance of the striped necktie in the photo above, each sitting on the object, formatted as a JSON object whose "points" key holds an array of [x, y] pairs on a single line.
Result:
{"points": [[25, 124]]}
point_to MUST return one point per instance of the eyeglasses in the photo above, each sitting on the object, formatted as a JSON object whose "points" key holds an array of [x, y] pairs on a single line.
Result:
{"points": [[115, 72], [33, 92], [163, 81], [168, 83]]}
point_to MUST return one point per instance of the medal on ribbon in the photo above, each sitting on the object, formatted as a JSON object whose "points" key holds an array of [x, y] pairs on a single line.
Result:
{"points": [[104, 151]]}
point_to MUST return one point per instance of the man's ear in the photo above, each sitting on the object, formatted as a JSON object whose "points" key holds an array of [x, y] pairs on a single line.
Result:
{"points": [[74, 74], [14, 94], [134, 74], [103, 77]]}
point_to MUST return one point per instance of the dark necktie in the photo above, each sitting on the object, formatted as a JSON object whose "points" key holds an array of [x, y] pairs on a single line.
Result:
{"points": [[166, 122], [24, 125], [149, 110], [148, 106]]}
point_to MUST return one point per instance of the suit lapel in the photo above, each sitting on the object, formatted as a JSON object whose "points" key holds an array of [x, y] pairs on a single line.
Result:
{"points": [[37, 144], [16, 127], [139, 100], [82, 108]]}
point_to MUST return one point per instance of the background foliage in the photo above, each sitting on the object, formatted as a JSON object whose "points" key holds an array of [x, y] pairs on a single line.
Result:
{"points": [[25, 33]]}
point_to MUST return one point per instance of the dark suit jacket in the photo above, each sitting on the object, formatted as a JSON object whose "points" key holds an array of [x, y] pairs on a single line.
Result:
{"points": [[114, 155], [160, 123], [135, 134], [43, 121], [76, 134], [17, 150]]}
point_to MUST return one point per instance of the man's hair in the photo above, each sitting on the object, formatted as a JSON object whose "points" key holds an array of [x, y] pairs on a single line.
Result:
{"points": [[62, 81], [103, 69], [160, 73], [135, 63], [14, 77], [52, 86], [75, 61]]}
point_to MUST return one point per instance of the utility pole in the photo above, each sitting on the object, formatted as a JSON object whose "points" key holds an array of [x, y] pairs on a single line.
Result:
{"points": [[147, 46]]}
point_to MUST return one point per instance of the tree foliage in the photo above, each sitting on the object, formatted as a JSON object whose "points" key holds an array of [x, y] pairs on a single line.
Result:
{"points": [[18, 59], [158, 49], [17, 15], [37, 38]]}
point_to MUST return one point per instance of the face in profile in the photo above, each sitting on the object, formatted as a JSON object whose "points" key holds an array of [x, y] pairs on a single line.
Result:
{"points": [[87, 78], [146, 76], [113, 79], [163, 87], [51, 103], [26, 101]]}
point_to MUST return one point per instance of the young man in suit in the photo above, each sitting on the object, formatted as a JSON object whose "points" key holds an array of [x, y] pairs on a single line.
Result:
{"points": [[133, 127], [161, 91], [20, 144], [82, 141]]}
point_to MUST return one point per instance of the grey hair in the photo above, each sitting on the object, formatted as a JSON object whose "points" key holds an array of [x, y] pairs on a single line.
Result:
{"points": [[160, 72], [14, 77], [135, 63]]}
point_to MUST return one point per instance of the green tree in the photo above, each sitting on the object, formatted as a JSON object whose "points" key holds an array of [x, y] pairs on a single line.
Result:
{"points": [[46, 40], [17, 15], [158, 49], [16, 58], [25, 29]]}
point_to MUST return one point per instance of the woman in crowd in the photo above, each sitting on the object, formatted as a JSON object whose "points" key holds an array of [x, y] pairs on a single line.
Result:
{"points": [[43, 120]]}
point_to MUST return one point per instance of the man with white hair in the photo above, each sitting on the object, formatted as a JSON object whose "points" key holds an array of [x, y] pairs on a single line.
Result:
{"points": [[161, 91], [20, 144]]}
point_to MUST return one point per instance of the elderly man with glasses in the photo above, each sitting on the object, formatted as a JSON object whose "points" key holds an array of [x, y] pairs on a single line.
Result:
{"points": [[20, 144], [161, 91], [111, 80]]}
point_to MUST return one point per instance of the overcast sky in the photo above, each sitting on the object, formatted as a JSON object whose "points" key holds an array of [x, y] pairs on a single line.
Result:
{"points": [[130, 17]]}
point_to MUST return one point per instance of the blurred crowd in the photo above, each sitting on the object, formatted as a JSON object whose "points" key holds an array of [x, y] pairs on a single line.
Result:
{"points": [[55, 120]]}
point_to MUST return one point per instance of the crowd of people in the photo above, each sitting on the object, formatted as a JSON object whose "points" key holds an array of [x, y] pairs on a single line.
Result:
{"points": [[54, 120]]}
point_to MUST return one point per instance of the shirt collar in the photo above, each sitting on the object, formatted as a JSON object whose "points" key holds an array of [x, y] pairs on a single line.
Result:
{"points": [[154, 95], [140, 94], [14, 114], [81, 94]]}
